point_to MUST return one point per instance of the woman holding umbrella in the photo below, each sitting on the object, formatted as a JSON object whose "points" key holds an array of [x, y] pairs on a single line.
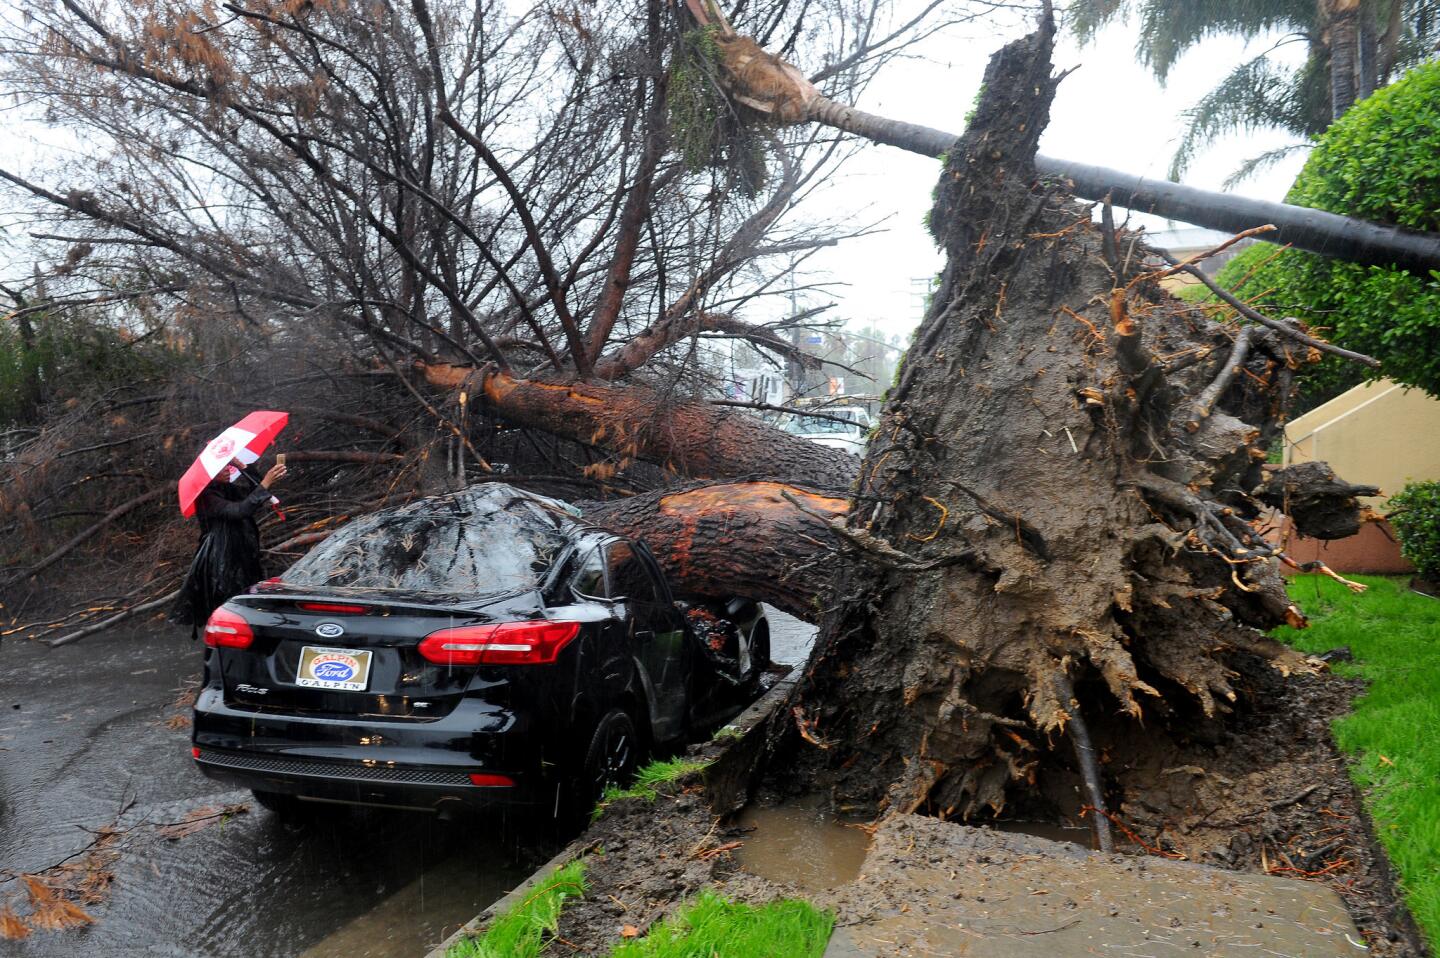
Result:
{"points": [[227, 560]]}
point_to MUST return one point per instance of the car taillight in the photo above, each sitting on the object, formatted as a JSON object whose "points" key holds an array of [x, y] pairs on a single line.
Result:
{"points": [[507, 643], [488, 780], [334, 608], [227, 630]]}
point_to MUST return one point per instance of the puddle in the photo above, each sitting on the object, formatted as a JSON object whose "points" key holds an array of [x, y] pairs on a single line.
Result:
{"points": [[800, 844], [419, 915], [1081, 835], [244, 887]]}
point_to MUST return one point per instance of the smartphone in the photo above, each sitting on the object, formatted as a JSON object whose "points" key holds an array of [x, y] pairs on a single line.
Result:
{"points": [[280, 459]]}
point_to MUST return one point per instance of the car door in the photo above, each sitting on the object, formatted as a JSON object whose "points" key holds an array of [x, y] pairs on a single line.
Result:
{"points": [[655, 632], [606, 668]]}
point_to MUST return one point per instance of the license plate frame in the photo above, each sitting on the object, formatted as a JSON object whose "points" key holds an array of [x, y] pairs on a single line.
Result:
{"points": [[331, 669]]}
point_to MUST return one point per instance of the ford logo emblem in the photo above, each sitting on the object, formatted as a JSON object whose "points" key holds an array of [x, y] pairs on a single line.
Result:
{"points": [[329, 630], [333, 672]]}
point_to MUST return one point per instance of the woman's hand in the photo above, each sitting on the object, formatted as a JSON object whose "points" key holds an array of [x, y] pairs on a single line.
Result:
{"points": [[276, 472]]}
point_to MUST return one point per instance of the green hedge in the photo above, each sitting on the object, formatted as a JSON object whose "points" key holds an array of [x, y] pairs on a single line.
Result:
{"points": [[1415, 514], [1381, 161]]}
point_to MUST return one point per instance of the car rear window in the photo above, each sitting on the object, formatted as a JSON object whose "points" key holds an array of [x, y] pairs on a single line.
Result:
{"points": [[479, 541]]}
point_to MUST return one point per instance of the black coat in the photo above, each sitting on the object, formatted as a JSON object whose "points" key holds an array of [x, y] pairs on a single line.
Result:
{"points": [[227, 561]]}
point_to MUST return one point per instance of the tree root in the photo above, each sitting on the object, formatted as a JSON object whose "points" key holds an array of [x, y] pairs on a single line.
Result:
{"points": [[1079, 734], [1254, 315], [1200, 409]]}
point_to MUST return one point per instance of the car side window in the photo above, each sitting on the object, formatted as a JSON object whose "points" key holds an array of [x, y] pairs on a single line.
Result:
{"points": [[629, 577], [589, 576]]}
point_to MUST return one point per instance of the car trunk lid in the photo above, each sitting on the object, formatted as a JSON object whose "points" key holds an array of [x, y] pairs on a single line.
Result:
{"points": [[349, 656]]}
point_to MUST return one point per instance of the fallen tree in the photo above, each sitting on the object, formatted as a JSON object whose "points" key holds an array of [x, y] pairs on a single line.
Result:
{"points": [[687, 437], [1060, 518], [771, 541], [769, 86]]}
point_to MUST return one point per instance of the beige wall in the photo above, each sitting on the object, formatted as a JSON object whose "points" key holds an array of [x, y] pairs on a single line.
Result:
{"points": [[1378, 434]]}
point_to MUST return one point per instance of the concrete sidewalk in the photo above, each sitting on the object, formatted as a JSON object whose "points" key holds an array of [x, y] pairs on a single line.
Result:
{"points": [[929, 888]]}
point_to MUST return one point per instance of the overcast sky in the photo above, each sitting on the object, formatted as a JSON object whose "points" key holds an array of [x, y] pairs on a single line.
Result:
{"points": [[1110, 112]]}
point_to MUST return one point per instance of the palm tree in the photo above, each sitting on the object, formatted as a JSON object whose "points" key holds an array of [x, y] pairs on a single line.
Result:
{"points": [[1352, 47]]}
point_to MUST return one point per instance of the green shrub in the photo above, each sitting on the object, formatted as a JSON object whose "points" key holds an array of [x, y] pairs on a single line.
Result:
{"points": [[71, 354], [1381, 161], [1415, 514]]}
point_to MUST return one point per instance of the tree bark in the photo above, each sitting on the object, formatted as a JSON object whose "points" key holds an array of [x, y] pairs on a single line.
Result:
{"points": [[1341, 237], [769, 541], [691, 439], [1344, 30], [1389, 44]]}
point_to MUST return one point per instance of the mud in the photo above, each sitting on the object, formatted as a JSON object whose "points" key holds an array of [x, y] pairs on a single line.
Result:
{"points": [[1269, 793]]}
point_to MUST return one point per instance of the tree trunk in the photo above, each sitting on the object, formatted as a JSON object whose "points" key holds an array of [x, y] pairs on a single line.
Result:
{"points": [[1344, 29], [768, 541], [694, 440], [1058, 518], [1389, 44], [1342, 237]]}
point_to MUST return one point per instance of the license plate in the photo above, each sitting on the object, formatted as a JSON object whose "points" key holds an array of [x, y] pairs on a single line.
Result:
{"points": [[347, 670]]}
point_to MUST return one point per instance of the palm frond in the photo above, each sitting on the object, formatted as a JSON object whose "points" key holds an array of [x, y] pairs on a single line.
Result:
{"points": [[1261, 162], [1168, 29], [1086, 17], [1257, 94]]}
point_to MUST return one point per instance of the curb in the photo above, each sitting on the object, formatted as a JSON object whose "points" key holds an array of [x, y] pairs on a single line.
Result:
{"points": [[514, 896], [761, 708], [740, 726]]}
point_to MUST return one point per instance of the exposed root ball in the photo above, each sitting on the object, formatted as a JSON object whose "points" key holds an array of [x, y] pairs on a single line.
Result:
{"points": [[1092, 448]]}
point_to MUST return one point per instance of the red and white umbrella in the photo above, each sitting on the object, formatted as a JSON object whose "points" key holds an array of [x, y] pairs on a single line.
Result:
{"points": [[245, 441]]}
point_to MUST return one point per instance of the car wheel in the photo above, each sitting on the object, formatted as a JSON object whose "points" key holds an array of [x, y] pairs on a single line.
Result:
{"points": [[287, 808], [610, 759]]}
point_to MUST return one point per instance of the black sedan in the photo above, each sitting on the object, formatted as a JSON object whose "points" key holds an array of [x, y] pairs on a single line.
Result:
{"points": [[481, 647]]}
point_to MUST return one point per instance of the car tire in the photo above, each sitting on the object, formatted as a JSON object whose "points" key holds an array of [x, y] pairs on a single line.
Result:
{"points": [[287, 808], [759, 657], [611, 758]]}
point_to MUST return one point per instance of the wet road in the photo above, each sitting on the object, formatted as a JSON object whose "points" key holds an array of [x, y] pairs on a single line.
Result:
{"points": [[89, 739]]}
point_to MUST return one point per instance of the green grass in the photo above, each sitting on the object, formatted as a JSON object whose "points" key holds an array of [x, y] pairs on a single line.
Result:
{"points": [[524, 930], [1394, 732], [711, 926], [647, 782]]}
